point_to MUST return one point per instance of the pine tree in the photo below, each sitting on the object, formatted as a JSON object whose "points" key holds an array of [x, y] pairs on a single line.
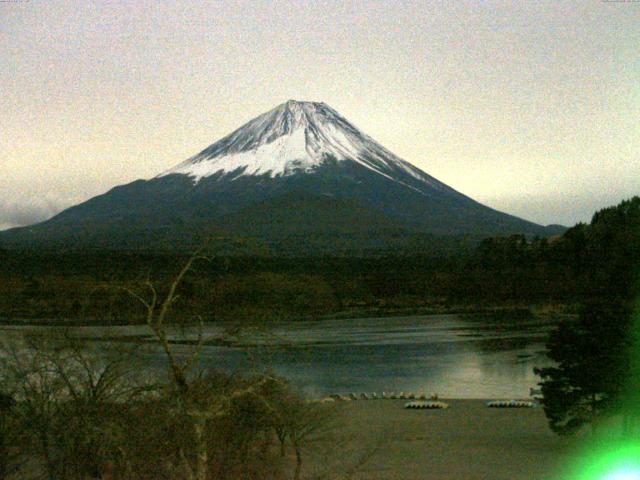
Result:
{"points": [[593, 366], [596, 369]]}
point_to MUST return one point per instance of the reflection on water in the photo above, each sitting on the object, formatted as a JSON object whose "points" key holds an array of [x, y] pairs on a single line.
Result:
{"points": [[471, 357]]}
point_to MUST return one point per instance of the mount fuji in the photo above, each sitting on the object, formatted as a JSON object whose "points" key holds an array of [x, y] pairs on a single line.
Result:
{"points": [[300, 175]]}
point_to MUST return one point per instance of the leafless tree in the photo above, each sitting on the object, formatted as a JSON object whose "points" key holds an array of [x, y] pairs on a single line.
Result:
{"points": [[195, 399], [258, 407], [69, 398]]}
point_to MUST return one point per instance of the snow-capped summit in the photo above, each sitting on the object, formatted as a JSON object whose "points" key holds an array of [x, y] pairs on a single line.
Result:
{"points": [[295, 137]]}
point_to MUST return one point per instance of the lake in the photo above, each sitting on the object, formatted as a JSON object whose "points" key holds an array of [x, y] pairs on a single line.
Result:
{"points": [[451, 355]]}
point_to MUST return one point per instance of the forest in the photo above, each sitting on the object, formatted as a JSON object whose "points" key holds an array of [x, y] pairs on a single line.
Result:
{"points": [[241, 282]]}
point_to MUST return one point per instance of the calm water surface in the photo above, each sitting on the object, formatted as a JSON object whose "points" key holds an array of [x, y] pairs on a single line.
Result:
{"points": [[453, 356]]}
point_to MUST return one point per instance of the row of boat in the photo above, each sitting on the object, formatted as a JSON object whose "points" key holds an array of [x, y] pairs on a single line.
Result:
{"points": [[383, 396], [421, 401]]}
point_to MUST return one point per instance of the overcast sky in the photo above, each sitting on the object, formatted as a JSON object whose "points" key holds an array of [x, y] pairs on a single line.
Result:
{"points": [[531, 107]]}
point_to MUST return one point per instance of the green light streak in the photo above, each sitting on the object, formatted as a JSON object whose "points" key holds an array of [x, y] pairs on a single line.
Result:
{"points": [[619, 462], [623, 474], [613, 453]]}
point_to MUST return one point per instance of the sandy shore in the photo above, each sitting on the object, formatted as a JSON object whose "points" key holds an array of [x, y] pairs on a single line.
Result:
{"points": [[467, 441]]}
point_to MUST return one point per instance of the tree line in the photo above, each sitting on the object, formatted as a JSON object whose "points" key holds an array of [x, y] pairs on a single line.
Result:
{"points": [[514, 270]]}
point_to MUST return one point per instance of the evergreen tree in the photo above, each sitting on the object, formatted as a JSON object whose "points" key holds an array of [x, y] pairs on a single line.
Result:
{"points": [[596, 369], [592, 368]]}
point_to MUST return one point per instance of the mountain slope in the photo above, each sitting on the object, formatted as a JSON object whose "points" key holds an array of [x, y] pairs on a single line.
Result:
{"points": [[291, 169]]}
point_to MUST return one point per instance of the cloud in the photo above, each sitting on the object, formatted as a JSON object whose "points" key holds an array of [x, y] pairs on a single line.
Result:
{"points": [[28, 212]]}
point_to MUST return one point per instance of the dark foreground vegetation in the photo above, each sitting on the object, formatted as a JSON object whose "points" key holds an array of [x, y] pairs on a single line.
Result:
{"points": [[75, 412], [243, 282], [597, 372]]}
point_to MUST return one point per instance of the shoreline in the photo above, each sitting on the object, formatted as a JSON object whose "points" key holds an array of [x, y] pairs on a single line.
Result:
{"points": [[508, 313]]}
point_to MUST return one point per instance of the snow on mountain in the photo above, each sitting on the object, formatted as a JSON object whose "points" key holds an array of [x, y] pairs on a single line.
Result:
{"points": [[296, 137]]}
